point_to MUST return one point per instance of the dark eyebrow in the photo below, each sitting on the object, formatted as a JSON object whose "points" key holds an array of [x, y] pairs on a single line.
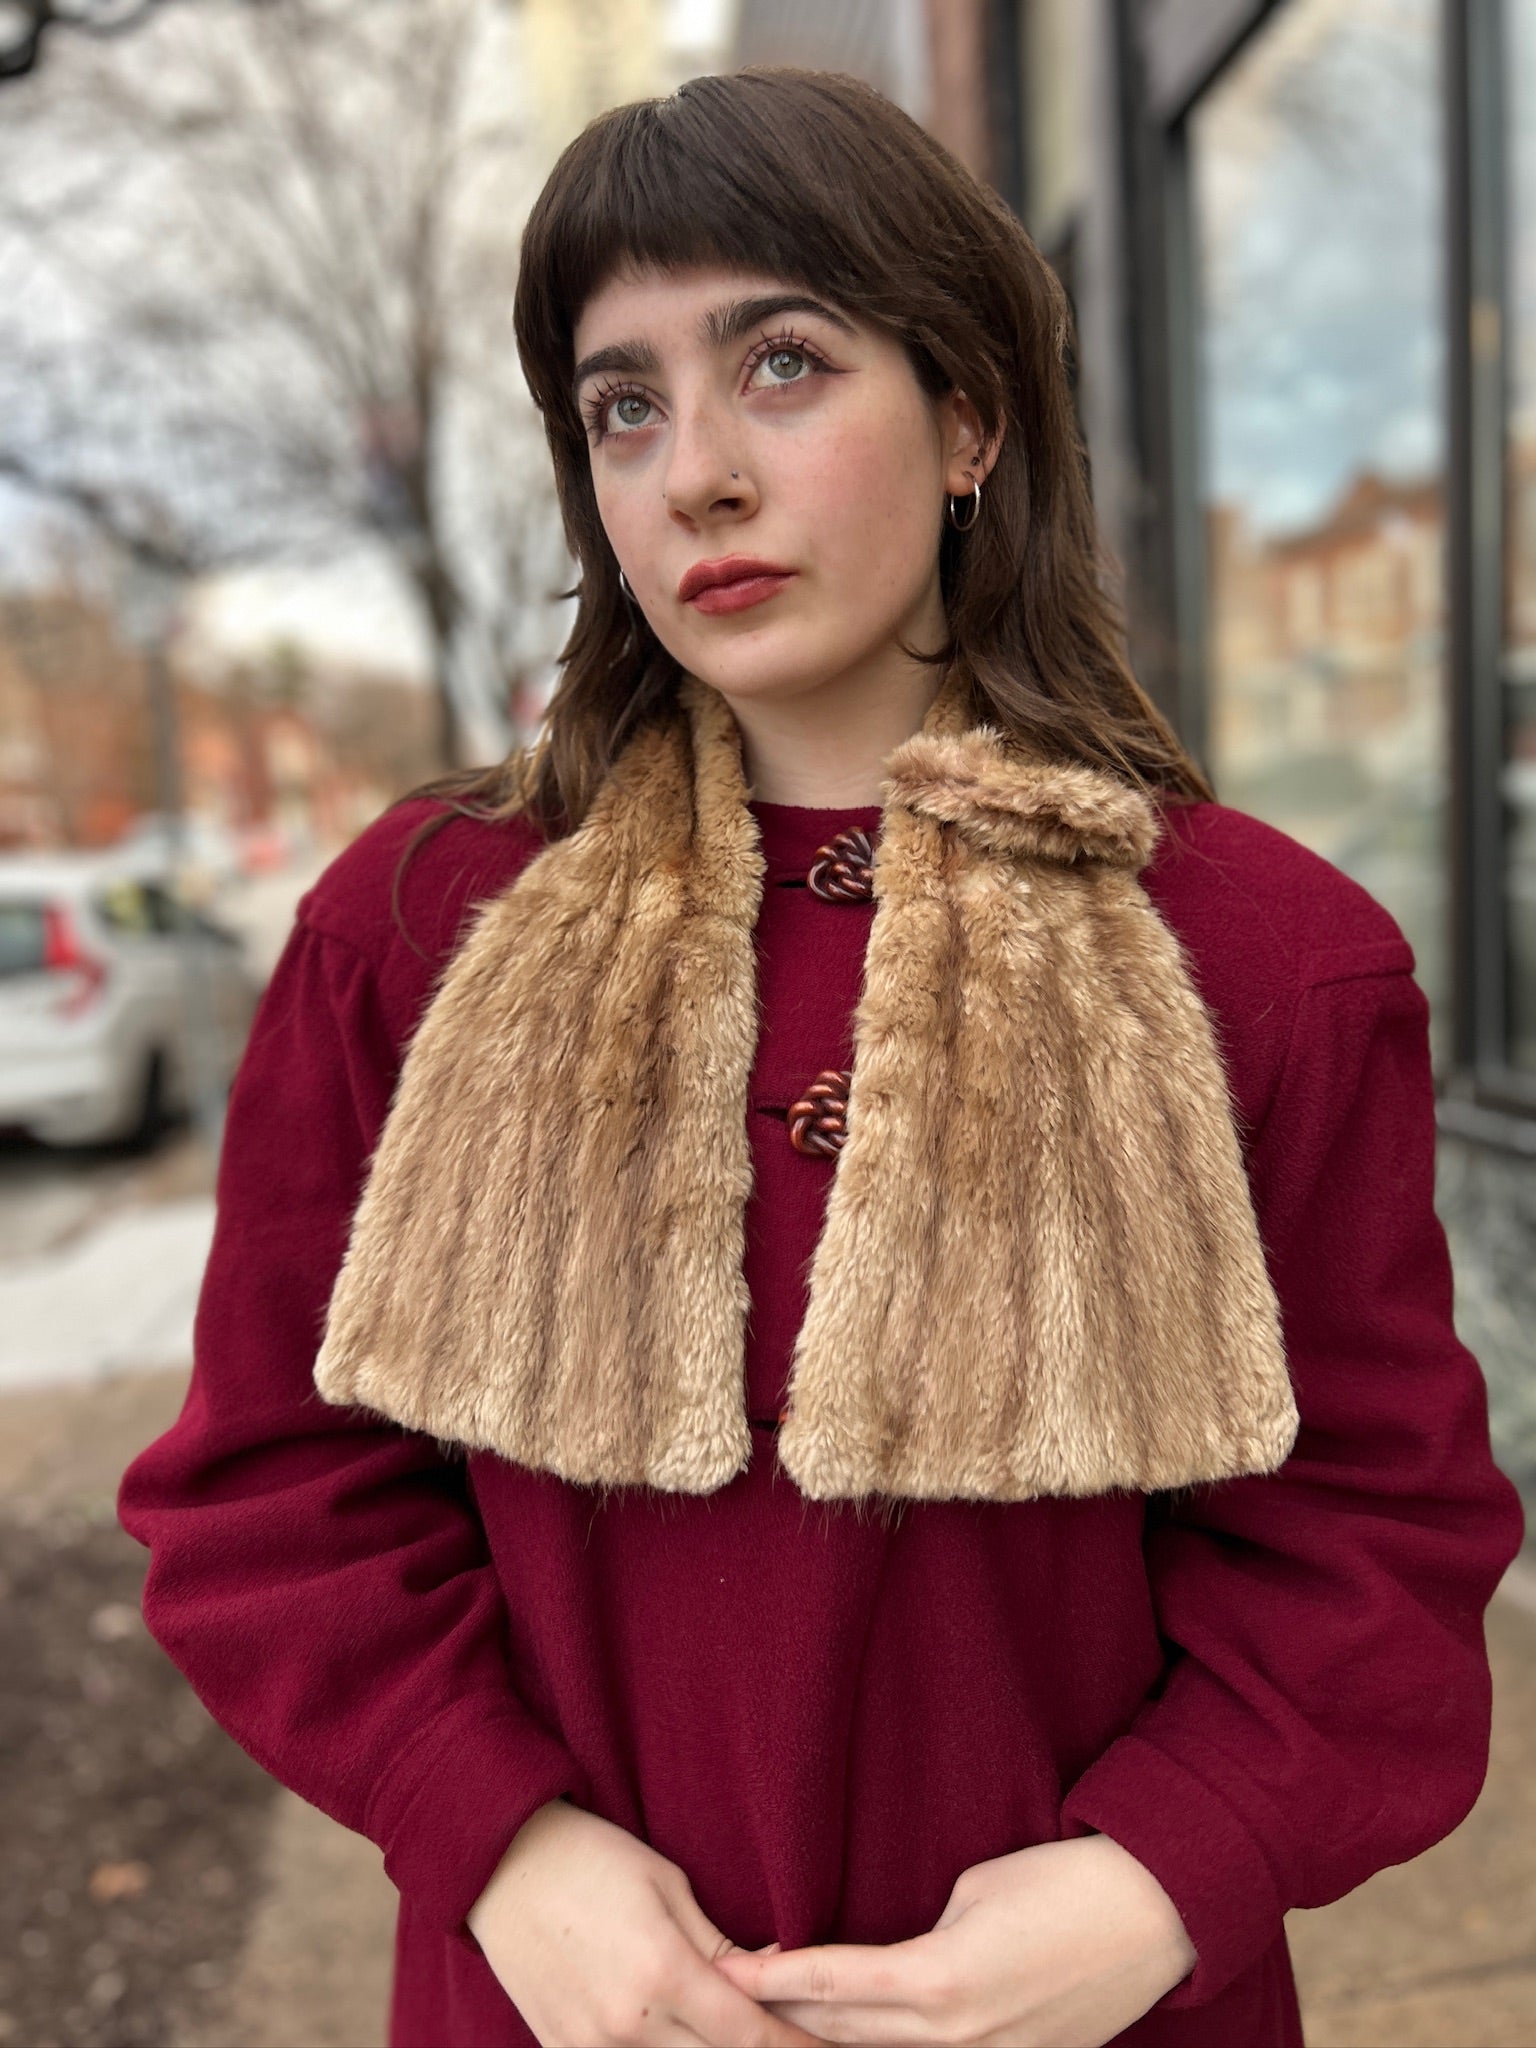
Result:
{"points": [[724, 324], [720, 326]]}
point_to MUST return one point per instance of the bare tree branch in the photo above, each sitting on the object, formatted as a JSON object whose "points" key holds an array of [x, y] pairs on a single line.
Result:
{"points": [[98, 18], [255, 274]]}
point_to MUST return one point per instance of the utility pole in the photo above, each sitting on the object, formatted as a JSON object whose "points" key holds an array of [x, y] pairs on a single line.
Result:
{"points": [[149, 600]]}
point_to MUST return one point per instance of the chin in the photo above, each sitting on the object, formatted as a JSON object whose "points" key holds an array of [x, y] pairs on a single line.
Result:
{"points": [[779, 665]]}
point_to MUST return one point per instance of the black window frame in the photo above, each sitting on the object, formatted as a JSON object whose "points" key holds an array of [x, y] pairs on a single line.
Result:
{"points": [[1487, 1095]]}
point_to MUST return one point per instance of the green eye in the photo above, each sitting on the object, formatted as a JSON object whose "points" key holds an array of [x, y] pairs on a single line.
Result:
{"points": [[787, 359]]}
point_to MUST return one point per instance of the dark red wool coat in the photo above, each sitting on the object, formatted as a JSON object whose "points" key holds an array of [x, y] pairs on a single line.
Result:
{"points": [[1266, 1692]]}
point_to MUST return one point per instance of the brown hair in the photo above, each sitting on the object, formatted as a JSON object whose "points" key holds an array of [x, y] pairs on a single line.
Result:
{"points": [[817, 178]]}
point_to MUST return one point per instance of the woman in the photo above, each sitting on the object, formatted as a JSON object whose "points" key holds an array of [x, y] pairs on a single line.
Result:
{"points": [[892, 1460]]}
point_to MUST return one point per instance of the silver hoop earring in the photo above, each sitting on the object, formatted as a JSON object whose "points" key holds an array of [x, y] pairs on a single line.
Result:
{"points": [[953, 500], [624, 586]]}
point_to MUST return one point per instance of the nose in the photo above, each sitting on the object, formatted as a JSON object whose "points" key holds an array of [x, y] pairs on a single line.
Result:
{"points": [[705, 474]]}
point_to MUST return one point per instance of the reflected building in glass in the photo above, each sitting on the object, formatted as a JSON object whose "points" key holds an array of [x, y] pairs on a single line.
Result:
{"points": [[1317, 236]]}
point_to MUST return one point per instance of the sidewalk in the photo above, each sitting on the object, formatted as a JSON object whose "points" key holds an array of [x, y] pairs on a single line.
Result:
{"points": [[1441, 1952], [163, 1889], [120, 1298]]}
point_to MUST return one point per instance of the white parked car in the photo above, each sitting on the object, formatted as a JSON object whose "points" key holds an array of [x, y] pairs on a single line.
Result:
{"points": [[95, 997]]}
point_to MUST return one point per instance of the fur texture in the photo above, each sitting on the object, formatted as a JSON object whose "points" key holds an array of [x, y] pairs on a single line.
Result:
{"points": [[1040, 1271]]}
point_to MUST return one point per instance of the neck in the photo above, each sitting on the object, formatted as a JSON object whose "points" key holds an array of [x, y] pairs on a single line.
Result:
{"points": [[825, 746]]}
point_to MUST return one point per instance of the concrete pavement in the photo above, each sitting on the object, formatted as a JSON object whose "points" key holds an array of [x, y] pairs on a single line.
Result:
{"points": [[119, 1299]]}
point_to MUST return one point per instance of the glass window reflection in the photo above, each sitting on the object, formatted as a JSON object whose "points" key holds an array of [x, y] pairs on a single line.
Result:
{"points": [[1315, 165]]}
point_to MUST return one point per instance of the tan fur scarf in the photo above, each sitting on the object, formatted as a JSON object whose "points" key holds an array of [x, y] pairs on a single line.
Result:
{"points": [[1039, 1271]]}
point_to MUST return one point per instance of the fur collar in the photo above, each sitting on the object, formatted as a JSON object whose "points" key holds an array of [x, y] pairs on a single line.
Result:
{"points": [[1040, 1271]]}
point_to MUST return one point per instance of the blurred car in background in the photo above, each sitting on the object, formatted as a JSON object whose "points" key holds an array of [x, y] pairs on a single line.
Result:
{"points": [[97, 952]]}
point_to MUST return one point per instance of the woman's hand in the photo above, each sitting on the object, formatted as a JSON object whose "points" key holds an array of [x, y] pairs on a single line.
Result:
{"points": [[1064, 1944], [596, 1938]]}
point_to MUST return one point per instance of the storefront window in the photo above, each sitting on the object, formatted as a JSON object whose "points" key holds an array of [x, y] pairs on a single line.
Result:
{"points": [[1520, 505], [1316, 166]]}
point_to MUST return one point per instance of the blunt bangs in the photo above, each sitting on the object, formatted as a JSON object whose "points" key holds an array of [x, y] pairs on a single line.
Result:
{"points": [[726, 172]]}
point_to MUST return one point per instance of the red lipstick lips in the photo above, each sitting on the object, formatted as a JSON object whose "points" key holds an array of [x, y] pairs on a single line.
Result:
{"points": [[731, 583]]}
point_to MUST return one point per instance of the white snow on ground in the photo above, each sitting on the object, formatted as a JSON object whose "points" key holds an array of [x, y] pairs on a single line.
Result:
{"points": [[119, 1299]]}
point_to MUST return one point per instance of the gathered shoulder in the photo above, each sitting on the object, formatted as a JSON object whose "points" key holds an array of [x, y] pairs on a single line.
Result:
{"points": [[1261, 919], [1230, 880], [382, 895]]}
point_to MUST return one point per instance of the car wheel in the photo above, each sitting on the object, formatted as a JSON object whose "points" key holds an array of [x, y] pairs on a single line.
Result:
{"points": [[151, 1117]]}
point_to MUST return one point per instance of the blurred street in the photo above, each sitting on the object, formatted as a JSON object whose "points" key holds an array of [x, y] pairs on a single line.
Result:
{"points": [[102, 1249], [113, 1286], [162, 1888]]}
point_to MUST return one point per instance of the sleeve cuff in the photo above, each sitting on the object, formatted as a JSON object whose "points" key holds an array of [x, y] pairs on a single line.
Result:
{"points": [[448, 1809], [1196, 1847]]}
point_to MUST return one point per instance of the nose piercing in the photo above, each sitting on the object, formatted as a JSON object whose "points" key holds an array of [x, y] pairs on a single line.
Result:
{"points": [[734, 472]]}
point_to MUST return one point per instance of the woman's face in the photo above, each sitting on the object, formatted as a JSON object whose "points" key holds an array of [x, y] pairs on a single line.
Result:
{"points": [[732, 415]]}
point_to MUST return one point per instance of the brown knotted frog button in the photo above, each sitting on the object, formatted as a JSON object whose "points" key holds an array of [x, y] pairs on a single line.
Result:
{"points": [[818, 1122], [843, 870]]}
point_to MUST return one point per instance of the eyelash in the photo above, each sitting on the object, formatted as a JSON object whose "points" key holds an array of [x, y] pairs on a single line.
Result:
{"points": [[595, 408]]}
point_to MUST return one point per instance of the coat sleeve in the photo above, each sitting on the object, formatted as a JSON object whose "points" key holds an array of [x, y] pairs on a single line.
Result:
{"points": [[1325, 1705], [321, 1577]]}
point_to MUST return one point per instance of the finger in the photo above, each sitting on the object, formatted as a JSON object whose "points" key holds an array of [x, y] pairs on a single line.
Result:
{"points": [[838, 2022], [731, 1948], [703, 1935], [847, 1972], [722, 2011], [731, 2019]]}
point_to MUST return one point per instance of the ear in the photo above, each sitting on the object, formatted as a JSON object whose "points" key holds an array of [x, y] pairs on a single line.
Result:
{"points": [[967, 454]]}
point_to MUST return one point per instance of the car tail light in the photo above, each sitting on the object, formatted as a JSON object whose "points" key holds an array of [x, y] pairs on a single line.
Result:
{"points": [[64, 952]]}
